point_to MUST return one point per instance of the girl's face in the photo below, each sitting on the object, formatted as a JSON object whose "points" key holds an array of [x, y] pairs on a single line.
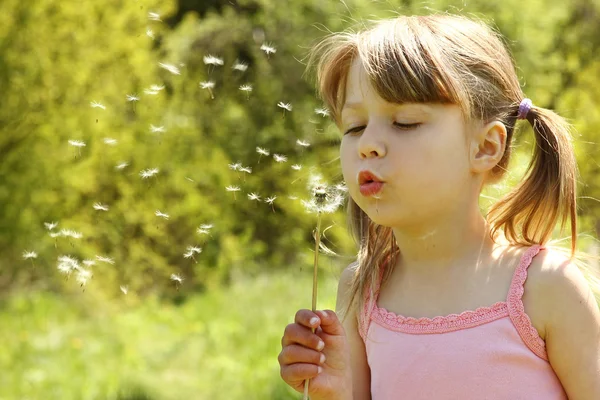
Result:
{"points": [[419, 150]]}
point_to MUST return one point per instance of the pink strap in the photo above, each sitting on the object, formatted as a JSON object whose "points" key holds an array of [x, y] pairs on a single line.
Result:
{"points": [[516, 309]]}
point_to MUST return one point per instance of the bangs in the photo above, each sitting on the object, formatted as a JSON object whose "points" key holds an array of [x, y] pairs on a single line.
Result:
{"points": [[403, 62]]}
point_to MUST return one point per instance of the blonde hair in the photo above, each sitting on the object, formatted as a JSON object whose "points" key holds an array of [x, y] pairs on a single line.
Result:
{"points": [[452, 59]]}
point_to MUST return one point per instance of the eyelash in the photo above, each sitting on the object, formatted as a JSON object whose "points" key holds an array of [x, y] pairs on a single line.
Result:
{"points": [[401, 126]]}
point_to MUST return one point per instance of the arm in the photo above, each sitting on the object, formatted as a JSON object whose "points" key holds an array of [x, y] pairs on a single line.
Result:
{"points": [[361, 373], [572, 327]]}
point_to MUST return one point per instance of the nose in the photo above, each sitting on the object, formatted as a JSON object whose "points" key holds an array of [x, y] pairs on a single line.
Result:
{"points": [[370, 144]]}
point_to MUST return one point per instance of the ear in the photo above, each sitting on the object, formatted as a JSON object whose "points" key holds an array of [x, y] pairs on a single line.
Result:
{"points": [[487, 146]]}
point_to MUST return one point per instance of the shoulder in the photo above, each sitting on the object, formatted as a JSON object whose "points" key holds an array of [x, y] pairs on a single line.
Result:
{"points": [[572, 321]]}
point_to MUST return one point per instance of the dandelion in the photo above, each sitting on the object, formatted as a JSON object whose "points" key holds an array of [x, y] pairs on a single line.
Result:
{"points": [[297, 167], [103, 259], [66, 265], [253, 196], [268, 49], [302, 143], [152, 16], [270, 201], [157, 129], [178, 279], [83, 275], [110, 141], [158, 213], [279, 158], [124, 289], [95, 104], [100, 207], [170, 67], [235, 166], [121, 165], [233, 189], [261, 152], [240, 66], [148, 173], [150, 33], [285, 106], [322, 111], [208, 85], [50, 225]]}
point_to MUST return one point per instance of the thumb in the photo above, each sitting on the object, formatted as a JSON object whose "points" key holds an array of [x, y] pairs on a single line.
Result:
{"points": [[330, 323]]}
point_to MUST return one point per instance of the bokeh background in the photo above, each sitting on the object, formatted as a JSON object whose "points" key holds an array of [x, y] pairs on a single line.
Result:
{"points": [[189, 285]]}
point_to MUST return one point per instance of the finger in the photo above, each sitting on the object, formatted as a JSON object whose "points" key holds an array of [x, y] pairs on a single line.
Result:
{"points": [[298, 334], [307, 318], [330, 323], [299, 354], [295, 374]]}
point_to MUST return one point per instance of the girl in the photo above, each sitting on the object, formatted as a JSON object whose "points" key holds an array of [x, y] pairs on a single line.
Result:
{"points": [[428, 107]]}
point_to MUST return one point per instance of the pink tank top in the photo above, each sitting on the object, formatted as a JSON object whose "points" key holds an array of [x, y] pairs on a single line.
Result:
{"points": [[490, 353]]}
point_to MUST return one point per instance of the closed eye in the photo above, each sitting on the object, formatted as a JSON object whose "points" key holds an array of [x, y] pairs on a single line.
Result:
{"points": [[399, 125]]}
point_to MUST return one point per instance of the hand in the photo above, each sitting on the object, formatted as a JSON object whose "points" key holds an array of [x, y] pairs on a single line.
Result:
{"points": [[299, 358]]}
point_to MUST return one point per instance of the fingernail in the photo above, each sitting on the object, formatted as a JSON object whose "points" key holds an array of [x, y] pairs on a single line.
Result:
{"points": [[322, 360], [313, 321], [323, 314], [319, 370], [320, 345]]}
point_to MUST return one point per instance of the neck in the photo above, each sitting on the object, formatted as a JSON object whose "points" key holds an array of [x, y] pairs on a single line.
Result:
{"points": [[443, 245]]}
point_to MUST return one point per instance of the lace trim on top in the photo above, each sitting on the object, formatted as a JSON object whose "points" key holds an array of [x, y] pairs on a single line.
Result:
{"points": [[512, 307]]}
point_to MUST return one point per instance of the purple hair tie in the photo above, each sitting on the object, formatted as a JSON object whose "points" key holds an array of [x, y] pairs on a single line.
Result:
{"points": [[524, 108]]}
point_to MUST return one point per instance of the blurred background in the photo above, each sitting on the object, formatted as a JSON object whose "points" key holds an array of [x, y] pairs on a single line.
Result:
{"points": [[154, 156]]}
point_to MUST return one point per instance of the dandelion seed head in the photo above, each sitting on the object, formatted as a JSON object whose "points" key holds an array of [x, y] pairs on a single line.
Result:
{"points": [[212, 60], [177, 278], [253, 196], [246, 88], [66, 264], [268, 49], [286, 106], [235, 166], [270, 200], [100, 207], [279, 158], [77, 143], [50, 225], [240, 66], [325, 199], [95, 104], [170, 67]]}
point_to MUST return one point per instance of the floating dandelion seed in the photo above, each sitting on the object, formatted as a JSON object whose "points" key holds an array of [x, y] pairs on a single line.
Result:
{"points": [[247, 170], [341, 187], [246, 88], [235, 166], [157, 129], [95, 104], [132, 98], [150, 33], [189, 179], [89, 263], [270, 200], [268, 49], [253, 196], [124, 289], [212, 60], [206, 226], [70, 233], [208, 85], [150, 91], [293, 197], [322, 111], [158, 213], [233, 189], [29, 255], [157, 88], [261, 152], [66, 265], [178, 279], [103, 259], [297, 167], [279, 158], [110, 141], [100, 207], [82, 277], [302, 143], [148, 173], [77, 143], [285, 106], [50, 225], [170, 67], [152, 16], [240, 66], [122, 165]]}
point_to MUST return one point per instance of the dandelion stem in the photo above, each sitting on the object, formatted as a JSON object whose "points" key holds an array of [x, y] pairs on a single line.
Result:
{"points": [[314, 294]]}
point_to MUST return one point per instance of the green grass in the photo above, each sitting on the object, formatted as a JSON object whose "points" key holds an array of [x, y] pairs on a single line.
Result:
{"points": [[218, 345]]}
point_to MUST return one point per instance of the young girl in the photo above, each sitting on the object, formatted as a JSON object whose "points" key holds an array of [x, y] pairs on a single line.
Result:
{"points": [[445, 303]]}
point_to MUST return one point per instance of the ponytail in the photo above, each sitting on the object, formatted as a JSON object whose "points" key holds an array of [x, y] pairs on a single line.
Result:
{"points": [[529, 213]]}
